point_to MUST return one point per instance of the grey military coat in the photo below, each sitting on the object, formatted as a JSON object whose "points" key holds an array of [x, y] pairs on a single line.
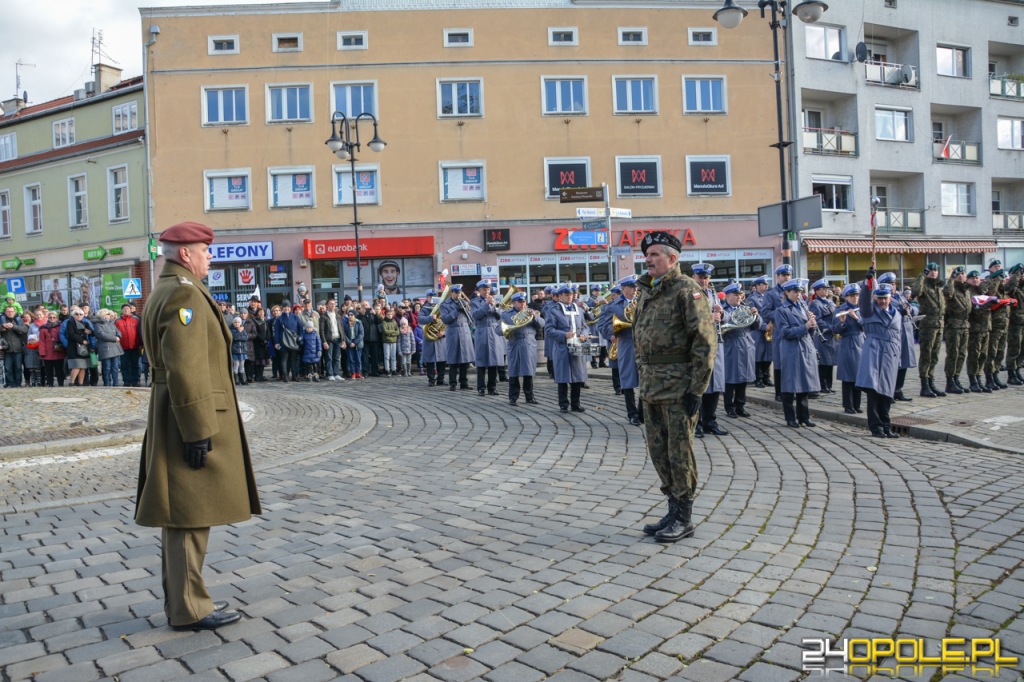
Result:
{"points": [[851, 344], [458, 337], [796, 350], [522, 345]]}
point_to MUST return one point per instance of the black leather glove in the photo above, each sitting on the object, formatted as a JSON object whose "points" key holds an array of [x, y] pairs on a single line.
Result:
{"points": [[195, 453], [691, 403], [871, 273]]}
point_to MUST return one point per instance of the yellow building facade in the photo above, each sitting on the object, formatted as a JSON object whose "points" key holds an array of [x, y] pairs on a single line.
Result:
{"points": [[487, 110]]}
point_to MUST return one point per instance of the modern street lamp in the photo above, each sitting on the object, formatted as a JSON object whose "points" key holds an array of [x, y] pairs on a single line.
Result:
{"points": [[345, 143], [730, 16]]}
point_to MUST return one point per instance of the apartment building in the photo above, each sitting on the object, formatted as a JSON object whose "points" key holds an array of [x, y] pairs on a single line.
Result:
{"points": [[920, 104], [489, 108], [73, 220]]}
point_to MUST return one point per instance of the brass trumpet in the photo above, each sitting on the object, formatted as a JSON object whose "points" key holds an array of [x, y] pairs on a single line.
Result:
{"points": [[769, 331]]}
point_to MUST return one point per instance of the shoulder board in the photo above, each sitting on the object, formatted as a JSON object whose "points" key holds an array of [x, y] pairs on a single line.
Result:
{"points": [[185, 280]]}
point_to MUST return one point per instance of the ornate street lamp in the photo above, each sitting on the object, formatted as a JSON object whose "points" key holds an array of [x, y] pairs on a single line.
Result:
{"points": [[344, 142]]}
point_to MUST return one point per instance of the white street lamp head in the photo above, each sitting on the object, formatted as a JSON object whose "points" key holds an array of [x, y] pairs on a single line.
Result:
{"points": [[377, 144], [334, 144], [810, 11], [730, 15], [342, 154]]}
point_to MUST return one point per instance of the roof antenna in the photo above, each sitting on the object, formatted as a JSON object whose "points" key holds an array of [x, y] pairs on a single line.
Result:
{"points": [[17, 78]]}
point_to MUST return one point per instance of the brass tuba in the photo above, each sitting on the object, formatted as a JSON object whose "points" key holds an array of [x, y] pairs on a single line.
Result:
{"points": [[432, 330], [519, 320], [506, 300], [620, 325]]}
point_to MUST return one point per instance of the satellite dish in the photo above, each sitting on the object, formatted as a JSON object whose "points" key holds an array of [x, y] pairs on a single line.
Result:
{"points": [[862, 52], [908, 75]]}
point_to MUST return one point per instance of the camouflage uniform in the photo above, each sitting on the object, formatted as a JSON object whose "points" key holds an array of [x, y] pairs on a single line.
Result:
{"points": [[1000, 323], [675, 346], [958, 310], [928, 292], [1015, 332], [977, 343]]}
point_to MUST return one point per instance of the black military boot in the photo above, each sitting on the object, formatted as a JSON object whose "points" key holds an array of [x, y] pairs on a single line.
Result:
{"points": [[989, 384], [951, 387], [982, 388], [1013, 377], [666, 520], [926, 388], [956, 380], [935, 389], [973, 386], [998, 382], [680, 527]]}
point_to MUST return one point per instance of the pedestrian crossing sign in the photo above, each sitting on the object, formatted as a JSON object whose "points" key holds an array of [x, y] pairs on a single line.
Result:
{"points": [[132, 288]]}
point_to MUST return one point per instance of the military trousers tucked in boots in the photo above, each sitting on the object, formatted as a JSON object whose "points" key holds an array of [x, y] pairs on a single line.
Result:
{"points": [[1014, 345], [185, 597], [977, 351], [956, 351], [930, 344], [996, 349], [670, 443]]}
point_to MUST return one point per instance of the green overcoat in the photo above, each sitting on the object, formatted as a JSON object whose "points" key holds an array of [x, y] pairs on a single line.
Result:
{"points": [[193, 398]]}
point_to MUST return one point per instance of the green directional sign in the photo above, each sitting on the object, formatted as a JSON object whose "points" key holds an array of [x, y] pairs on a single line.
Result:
{"points": [[99, 253], [11, 263], [152, 249]]}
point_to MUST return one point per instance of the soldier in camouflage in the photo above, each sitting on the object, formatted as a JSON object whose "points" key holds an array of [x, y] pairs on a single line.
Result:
{"points": [[995, 286], [958, 310], [1015, 332], [980, 324], [675, 346], [927, 289]]}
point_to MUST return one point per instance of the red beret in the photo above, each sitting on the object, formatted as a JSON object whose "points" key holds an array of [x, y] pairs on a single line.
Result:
{"points": [[187, 232]]}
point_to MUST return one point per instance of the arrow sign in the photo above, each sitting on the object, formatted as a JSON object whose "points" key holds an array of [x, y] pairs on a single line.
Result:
{"points": [[99, 253], [587, 238], [590, 213], [619, 212], [569, 195]]}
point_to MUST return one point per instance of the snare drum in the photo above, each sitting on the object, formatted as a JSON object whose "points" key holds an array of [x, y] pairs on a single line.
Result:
{"points": [[584, 348]]}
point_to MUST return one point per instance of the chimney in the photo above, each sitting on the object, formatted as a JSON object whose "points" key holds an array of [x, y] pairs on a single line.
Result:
{"points": [[105, 77], [12, 106]]}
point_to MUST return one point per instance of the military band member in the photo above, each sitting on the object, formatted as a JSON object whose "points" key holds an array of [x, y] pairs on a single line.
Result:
{"points": [[927, 289], [522, 349], [824, 313], [851, 343], [588, 319], [433, 351], [793, 328], [908, 357], [566, 326], [593, 302], [675, 347], [763, 353], [487, 339], [1015, 332], [545, 311], [774, 299], [740, 350], [995, 286], [629, 379], [458, 338], [881, 356], [980, 321], [605, 323], [955, 325], [708, 422]]}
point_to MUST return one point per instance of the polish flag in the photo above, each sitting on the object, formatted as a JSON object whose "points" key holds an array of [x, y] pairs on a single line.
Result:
{"points": [[945, 148]]}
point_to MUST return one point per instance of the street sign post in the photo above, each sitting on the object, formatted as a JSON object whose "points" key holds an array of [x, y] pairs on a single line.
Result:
{"points": [[575, 195], [16, 285], [619, 212], [587, 238]]}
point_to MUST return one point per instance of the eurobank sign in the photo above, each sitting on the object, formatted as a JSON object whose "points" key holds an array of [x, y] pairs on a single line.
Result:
{"points": [[243, 252], [374, 247]]}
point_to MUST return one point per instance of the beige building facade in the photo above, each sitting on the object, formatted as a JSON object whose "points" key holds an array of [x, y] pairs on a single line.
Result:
{"points": [[488, 110]]}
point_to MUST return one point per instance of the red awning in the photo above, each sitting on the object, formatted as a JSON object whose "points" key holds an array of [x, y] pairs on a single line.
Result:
{"points": [[887, 245]]}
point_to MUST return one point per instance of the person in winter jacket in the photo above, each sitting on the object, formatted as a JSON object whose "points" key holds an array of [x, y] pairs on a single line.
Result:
{"points": [[108, 345], [289, 357], [354, 341], [52, 351], [14, 335], [131, 343], [33, 363], [239, 344], [389, 333], [76, 335], [406, 346], [311, 351]]}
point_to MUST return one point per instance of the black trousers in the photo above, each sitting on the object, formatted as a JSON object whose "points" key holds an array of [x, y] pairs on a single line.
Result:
{"points": [[878, 410], [569, 395], [763, 370], [851, 395], [513, 388], [901, 376], [492, 378], [778, 382], [459, 372], [435, 372], [735, 396], [802, 411], [709, 410], [616, 384], [825, 373], [629, 395], [550, 364]]}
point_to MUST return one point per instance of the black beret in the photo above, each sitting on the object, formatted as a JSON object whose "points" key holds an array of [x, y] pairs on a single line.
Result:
{"points": [[652, 238]]}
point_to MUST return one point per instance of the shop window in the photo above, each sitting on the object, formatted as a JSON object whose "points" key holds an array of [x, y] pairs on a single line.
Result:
{"points": [[462, 181], [292, 188]]}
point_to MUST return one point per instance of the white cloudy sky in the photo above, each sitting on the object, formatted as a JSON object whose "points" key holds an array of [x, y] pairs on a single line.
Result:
{"points": [[56, 36]]}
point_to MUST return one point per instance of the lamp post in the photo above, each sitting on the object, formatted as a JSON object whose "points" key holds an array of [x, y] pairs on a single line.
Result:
{"points": [[729, 16], [344, 142]]}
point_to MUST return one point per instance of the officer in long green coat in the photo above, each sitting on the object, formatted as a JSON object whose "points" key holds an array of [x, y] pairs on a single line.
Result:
{"points": [[196, 471]]}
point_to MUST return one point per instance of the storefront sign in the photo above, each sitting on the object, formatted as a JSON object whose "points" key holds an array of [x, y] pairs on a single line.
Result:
{"points": [[498, 240], [728, 254], [466, 270], [638, 177], [543, 260], [707, 175], [11, 263], [512, 260], [246, 277], [634, 237], [688, 256], [563, 174], [242, 252], [216, 278], [99, 253], [597, 258], [374, 247], [572, 258], [756, 253]]}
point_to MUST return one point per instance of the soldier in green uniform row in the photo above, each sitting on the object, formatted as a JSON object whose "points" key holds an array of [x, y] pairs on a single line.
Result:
{"points": [[995, 286], [675, 346], [980, 324], [958, 312], [1015, 332], [927, 289]]}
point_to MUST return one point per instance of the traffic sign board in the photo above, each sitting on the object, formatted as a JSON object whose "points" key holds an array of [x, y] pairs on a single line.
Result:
{"points": [[573, 195], [132, 287], [590, 213], [16, 285], [593, 225], [587, 238]]}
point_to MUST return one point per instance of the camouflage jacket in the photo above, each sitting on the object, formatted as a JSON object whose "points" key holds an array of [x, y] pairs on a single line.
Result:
{"points": [[928, 293], [958, 304], [674, 338], [1015, 289], [996, 286], [981, 317]]}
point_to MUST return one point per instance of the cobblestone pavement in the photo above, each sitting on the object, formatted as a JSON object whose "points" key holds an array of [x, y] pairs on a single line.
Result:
{"points": [[415, 533]]}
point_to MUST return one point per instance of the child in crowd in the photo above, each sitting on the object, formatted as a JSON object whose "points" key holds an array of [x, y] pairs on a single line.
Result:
{"points": [[406, 346], [311, 353], [239, 341]]}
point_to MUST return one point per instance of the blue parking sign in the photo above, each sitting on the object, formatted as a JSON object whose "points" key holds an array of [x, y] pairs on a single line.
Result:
{"points": [[16, 285]]}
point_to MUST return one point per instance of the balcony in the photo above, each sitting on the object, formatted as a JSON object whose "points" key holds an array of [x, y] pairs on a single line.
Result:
{"points": [[900, 220], [1008, 223], [896, 75], [958, 151], [1010, 87], [830, 142]]}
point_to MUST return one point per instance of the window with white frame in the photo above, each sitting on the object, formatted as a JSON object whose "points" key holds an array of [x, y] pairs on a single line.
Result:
{"points": [[635, 94], [222, 44], [953, 61], [703, 36], [353, 40], [825, 42], [33, 209], [291, 188], [228, 189], [638, 176], [367, 184], [117, 194], [78, 202], [958, 198], [63, 132], [561, 172], [1010, 133], [8, 146], [893, 124], [460, 97], [458, 37], [289, 103], [226, 105], [462, 181], [633, 35], [353, 99], [563, 35], [704, 95], [565, 94], [287, 42], [834, 190], [5, 214], [126, 117]]}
